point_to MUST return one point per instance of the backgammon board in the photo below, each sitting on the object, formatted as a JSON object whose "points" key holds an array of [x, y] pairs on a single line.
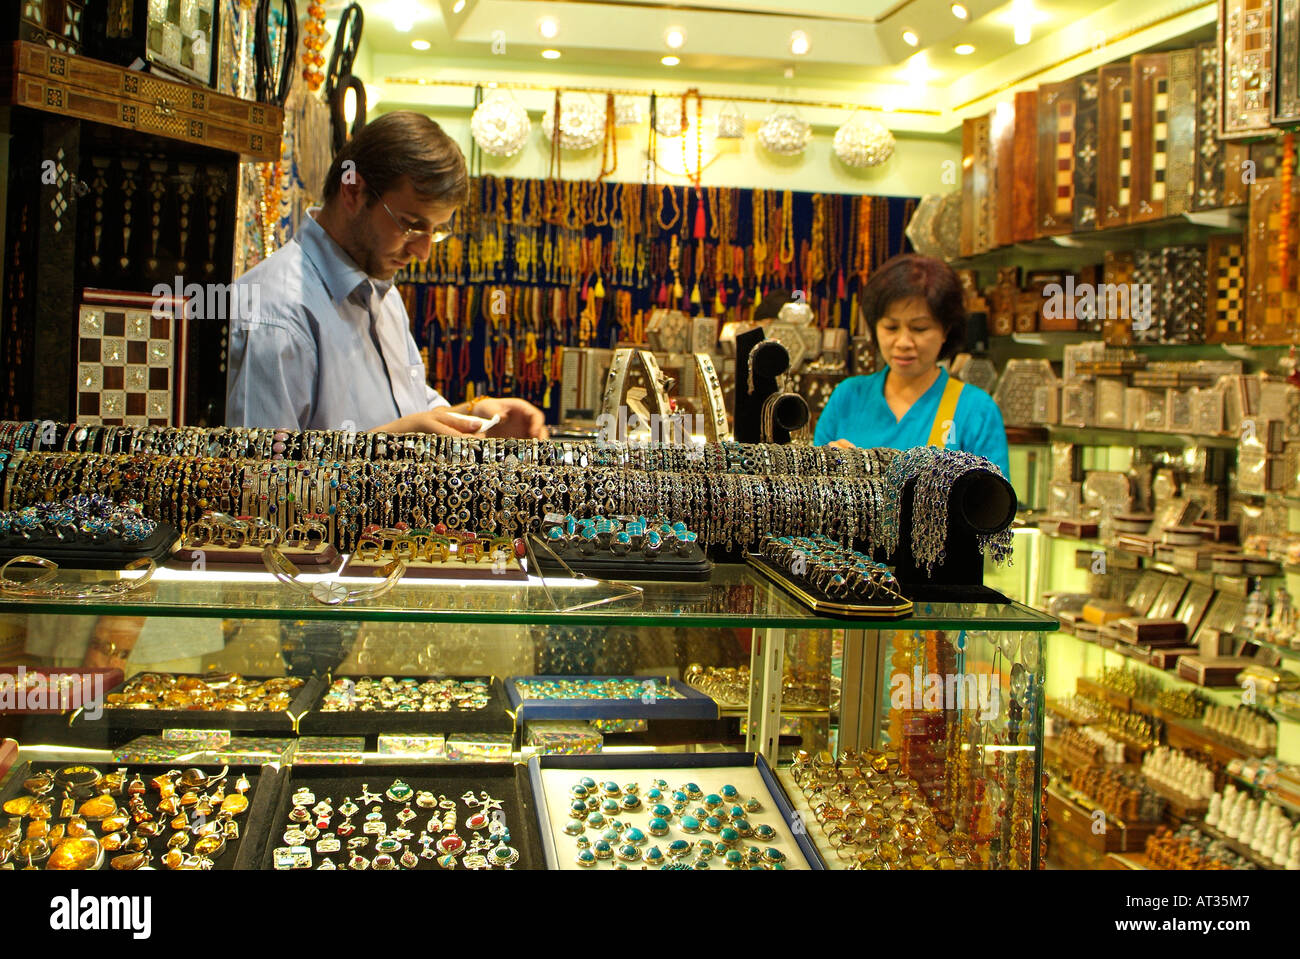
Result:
{"points": [[1226, 290], [1150, 135], [1286, 62], [130, 359], [975, 186], [1117, 271], [1115, 145], [1245, 38], [1057, 103], [1270, 309], [1025, 159], [1085, 154]]}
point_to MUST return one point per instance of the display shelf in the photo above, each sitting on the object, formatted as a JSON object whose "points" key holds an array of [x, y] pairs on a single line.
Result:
{"points": [[1103, 436], [1241, 850], [734, 596], [1088, 246]]}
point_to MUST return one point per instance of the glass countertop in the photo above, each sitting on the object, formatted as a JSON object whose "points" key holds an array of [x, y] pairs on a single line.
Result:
{"points": [[734, 596]]}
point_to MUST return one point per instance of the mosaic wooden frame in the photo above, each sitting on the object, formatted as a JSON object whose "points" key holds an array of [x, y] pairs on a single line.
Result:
{"points": [[1115, 145], [1226, 283], [1245, 39], [1057, 104], [1270, 310]]}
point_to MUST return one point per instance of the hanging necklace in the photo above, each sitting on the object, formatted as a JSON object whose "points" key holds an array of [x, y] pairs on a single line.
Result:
{"points": [[786, 252]]}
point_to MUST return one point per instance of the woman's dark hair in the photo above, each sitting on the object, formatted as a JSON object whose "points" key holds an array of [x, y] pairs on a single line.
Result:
{"points": [[912, 275], [403, 144], [769, 308]]}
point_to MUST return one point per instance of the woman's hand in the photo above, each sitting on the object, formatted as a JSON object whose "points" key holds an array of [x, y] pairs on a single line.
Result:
{"points": [[842, 444]]}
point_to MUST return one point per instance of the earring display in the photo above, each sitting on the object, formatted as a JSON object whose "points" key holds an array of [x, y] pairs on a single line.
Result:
{"points": [[472, 818], [80, 817], [723, 811]]}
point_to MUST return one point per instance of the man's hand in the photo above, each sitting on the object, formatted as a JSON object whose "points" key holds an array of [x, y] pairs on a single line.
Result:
{"points": [[442, 420], [519, 418], [842, 444]]}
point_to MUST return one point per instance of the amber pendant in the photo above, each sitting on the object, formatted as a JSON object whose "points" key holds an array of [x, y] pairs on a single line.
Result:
{"points": [[137, 843], [173, 858], [234, 804], [130, 860], [169, 806], [19, 806], [178, 840], [114, 823], [210, 846], [98, 807], [189, 798], [82, 852], [40, 809], [149, 828], [39, 784], [56, 833], [180, 822], [113, 841]]}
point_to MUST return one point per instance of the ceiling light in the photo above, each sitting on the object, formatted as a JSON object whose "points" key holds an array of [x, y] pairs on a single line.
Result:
{"points": [[910, 38], [1022, 20], [403, 14], [670, 60], [460, 5], [799, 43], [963, 49], [421, 44], [675, 37], [548, 27], [960, 12], [550, 54]]}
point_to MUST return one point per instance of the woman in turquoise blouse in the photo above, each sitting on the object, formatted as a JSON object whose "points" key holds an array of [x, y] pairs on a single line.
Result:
{"points": [[914, 307]]}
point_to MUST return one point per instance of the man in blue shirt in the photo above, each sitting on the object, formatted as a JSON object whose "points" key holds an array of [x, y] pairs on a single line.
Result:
{"points": [[329, 344]]}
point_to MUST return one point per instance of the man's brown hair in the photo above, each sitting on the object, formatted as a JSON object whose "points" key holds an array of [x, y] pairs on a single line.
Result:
{"points": [[403, 144]]}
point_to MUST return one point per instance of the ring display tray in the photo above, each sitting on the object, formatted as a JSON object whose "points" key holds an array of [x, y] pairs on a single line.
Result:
{"points": [[241, 853], [492, 718], [692, 704], [451, 569], [694, 566], [553, 776], [504, 782], [112, 553], [286, 721], [821, 603]]}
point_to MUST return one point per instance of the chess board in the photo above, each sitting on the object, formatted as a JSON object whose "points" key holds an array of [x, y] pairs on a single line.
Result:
{"points": [[1245, 37], [130, 360], [1210, 156], [1150, 135], [1118, 271], [1226, 290], [1056, 109], [1271, 310], [1114, 145]]}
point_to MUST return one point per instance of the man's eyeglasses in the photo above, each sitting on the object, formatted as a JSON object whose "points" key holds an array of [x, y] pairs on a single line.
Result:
{"points": [[436, 235]]}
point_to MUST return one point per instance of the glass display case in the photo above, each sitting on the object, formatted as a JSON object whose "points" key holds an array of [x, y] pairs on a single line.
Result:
{"points": [[887, 744]]}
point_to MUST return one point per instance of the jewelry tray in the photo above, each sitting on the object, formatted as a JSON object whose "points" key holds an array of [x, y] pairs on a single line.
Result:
{"points": [[119, 717], [492, 718], [325, 559], [693, 567], [247, 849], [695, 705], [452, 569], [111, 554], [820, 602], [750, 768], [505, 781]]}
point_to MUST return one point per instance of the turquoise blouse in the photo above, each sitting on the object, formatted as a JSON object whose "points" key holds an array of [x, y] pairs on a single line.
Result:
{"points": [[857, 412]]}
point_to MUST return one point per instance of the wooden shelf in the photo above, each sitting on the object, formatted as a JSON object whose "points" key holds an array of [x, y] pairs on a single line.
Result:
{"points": [[39, 78]]}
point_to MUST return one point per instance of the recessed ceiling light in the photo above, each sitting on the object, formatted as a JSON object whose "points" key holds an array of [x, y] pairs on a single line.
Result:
{"points": [[548, 27], [551, 54], [421, 44], [910, 38], [963, 49], [799, 43], [675, 37], [670, 60], [460, 5], [960, 12]]}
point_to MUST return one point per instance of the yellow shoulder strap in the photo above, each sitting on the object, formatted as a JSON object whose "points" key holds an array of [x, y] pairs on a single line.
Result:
{"points": [[947, 409]]}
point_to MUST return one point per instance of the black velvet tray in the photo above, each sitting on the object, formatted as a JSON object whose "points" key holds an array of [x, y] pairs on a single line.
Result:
{"points": [[325, 559], [693, 567], [492, 718], [823, 604], [111, 554], [117, 717], [242, 853], [505, 781]]}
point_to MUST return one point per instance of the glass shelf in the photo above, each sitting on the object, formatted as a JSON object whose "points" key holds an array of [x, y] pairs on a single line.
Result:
{"points": [[734, 596], [1102, 436]]}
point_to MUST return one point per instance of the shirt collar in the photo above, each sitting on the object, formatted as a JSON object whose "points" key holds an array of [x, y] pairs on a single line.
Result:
{"points": [[340, 272], [938, 386]]}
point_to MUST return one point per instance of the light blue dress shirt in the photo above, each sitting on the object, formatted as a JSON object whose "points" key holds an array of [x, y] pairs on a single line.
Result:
{"points": [[326, 347], [858, 412]]}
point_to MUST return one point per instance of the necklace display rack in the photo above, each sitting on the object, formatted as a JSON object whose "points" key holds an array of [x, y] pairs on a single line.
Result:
{"points": [[764, 413]]}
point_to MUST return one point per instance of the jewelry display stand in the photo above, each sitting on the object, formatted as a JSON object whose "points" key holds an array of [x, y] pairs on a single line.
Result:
{"points": [[135, 719], [111, 554], [691, 704], [763, 414], [492, 718]]}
